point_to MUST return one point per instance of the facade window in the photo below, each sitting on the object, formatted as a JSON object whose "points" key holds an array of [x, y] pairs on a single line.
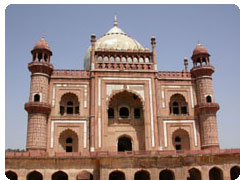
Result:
{"points": [[69, 104], [209, 99], [110, 113], [177, 139], [61, 110], [137, 113], [178, 105], [178, 147], [69, 149], [36, 98], [124, 112], [69, 140]]}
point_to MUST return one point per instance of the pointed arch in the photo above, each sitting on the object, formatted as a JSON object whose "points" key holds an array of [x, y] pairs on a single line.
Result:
{"points": [[166, 174], [11, 175], [235, 172], [194, 174], [69, 104], [34, 175], [215, 173], [117, 175], [181, 140], [178, 104], [68, 140], [142, 175], [59, 175], [125, 143], [134, 93]]}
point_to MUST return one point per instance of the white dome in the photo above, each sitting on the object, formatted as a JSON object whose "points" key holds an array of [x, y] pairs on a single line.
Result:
{"points": [[114, 39]]}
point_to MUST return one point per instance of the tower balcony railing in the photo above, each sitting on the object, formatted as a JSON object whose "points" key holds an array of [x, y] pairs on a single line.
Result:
{"points": [[37, 107]]}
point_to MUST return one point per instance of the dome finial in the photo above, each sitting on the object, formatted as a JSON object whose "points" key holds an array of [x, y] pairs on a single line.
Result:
{"points": [[115, 23], [199, 43], [43, 37]]}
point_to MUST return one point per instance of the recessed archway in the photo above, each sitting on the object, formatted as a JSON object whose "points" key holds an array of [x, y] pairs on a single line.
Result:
{"points": [[178, 105], [215, 174], [34, 175], [235, 172], [142, 175], [180, 139], [124, 144], [194, 174], [11, 175], [116, 175], [166, 175], [125, 108], [60, 175], [68, 141]]}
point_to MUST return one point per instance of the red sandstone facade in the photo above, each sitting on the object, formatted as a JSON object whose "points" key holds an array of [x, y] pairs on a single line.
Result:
{"points": [[120, 118]]}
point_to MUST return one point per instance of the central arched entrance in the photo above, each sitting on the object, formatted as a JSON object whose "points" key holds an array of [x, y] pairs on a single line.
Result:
{"points": [[124, 144], [126, 114], [117, 175]]}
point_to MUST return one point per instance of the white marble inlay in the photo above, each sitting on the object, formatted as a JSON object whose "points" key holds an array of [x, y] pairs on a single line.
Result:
{"points": [[165, 122], [66, 122]]}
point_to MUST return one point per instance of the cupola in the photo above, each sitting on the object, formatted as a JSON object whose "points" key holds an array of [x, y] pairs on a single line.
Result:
{"points": [[200, 56], [41, 51]]}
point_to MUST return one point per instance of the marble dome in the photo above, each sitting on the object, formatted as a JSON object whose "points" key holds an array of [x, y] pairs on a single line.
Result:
{"points": [[114, 39]]}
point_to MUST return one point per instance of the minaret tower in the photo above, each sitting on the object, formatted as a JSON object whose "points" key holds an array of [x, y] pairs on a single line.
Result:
{"points": [[38, 107], [206, 107]]}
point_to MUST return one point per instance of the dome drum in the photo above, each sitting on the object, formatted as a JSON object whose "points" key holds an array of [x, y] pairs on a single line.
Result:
{"points": [[123, 61]]}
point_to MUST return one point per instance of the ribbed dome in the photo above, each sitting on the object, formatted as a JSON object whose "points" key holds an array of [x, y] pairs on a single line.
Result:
{"points": [[114, 39], [42, 44], [200, 49]]}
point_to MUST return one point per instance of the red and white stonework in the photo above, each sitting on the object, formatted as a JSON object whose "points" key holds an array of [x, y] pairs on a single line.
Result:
{"points": [[120, 118]]}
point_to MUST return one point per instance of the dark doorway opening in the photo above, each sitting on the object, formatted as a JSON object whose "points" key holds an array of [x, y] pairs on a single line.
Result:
{"points": [[124, 144]]}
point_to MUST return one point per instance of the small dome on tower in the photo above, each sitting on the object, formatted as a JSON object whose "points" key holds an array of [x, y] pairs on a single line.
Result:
{"points": [[200, 49], [42, 44]]}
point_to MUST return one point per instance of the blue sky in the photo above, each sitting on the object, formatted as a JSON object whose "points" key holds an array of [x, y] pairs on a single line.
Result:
{"points": [[177, 29]]}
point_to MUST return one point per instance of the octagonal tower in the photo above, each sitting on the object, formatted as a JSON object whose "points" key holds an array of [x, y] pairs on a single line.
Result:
{"points": [[38, 107], [206, 107]]}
